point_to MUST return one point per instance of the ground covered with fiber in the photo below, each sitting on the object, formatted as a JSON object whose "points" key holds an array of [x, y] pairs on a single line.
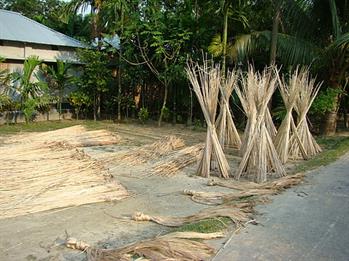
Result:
{"points": [[87, 182]]}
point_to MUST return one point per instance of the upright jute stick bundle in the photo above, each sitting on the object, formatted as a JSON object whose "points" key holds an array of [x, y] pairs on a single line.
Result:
{"points": [[307, 92], [227, 132], [289, 93], [259, 155], [206, 84]]}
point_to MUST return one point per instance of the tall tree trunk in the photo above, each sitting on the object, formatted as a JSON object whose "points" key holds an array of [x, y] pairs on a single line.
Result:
{"points": [[273, 44], [330, 120], [163, 104], [99, 106], [60, 103], [119, 89], [225, 39], [95, 108], [120, 60], [174, 119], [166, 83], [274, 35]]}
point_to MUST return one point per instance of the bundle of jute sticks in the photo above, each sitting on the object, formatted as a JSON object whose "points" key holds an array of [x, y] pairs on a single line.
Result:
{"points": [[263, 149], [206, 82]]}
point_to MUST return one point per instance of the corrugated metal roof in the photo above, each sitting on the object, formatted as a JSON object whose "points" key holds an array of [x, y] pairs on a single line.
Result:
{"points": [[16, 27]]}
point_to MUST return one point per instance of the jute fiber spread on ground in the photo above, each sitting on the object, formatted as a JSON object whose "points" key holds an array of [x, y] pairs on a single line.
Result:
{"points": [[239, 213], [150, 152], [35, 176], [178, 160], [173, 246], [249, 191]]}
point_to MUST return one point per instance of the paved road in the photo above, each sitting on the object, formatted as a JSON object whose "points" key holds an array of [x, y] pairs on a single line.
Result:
{"points": [[308, 222]]}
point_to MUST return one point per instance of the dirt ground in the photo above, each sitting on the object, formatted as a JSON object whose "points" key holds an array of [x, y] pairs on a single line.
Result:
{"points": [[40, 236]]}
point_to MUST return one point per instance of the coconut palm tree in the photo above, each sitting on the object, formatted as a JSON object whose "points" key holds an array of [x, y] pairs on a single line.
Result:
{"points": [[315, 36], [114, 16], [94, 6], [235, 11]]}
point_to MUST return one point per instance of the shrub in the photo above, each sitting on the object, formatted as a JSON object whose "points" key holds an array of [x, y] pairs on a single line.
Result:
{"points": [[143, 115]]}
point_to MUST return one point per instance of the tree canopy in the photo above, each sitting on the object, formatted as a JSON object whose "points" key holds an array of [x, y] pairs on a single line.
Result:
{"points": [[158, 36]]}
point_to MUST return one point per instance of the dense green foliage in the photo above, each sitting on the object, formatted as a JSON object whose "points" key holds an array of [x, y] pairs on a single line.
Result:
{"points": [[146, 68]]}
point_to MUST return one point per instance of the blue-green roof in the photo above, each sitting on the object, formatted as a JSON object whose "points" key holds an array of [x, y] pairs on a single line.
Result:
{"points": [[16, 27]]}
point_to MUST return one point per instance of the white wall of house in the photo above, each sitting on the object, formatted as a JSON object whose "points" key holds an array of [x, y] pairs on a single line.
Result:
{"points": [[47, 53]]}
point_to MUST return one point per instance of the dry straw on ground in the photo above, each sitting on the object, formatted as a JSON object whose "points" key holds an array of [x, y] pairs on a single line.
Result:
{"points": [[151, 151], [277, 185], [36, 177], [244, 191], [219, 198], [174, 246], [206, 80], [239, 214], [259, 157], [170, 165], [227, 132]]}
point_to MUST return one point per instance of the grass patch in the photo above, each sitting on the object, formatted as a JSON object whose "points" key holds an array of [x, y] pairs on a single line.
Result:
{"points": [[36, 126], [333, 148], [209, 225], [55, 125]]}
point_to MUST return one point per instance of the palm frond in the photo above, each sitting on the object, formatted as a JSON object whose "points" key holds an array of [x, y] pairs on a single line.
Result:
{"points": [[248, 44], [293, 50], [290, 49], [335, 19], [341, 42], [216, 46], [297, 15]]}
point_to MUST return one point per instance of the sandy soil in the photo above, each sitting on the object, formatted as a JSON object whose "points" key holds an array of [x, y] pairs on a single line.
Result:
{"points": [[40, 236]]}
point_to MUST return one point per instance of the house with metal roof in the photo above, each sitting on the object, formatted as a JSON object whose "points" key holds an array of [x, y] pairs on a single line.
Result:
{"points": [[21, 37]]}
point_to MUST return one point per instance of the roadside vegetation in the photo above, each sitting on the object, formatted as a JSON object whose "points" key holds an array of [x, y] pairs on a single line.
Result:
{"points": [[138, 50]]}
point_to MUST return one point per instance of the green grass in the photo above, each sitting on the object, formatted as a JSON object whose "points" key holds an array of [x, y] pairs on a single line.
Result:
{"points": [[53, 125], [35, 126], [209, 225], [333, 148]]}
